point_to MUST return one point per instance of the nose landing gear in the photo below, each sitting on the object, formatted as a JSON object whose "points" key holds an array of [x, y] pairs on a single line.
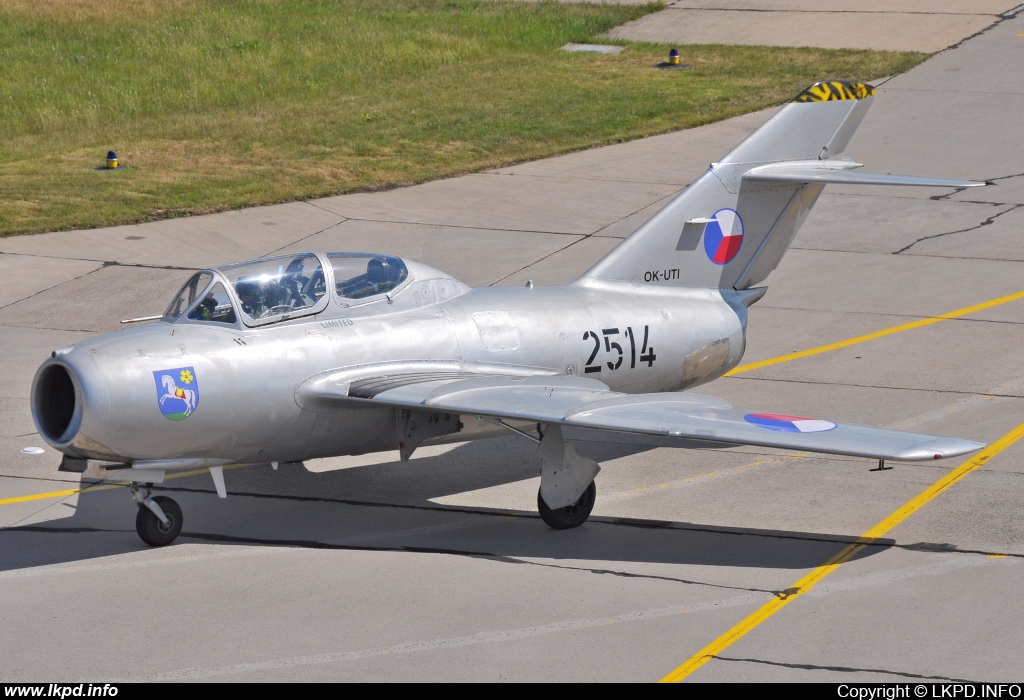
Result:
{"points": [[159, 519]]}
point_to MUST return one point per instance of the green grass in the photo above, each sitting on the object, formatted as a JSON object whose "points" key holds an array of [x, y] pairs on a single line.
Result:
{"points": [[217, 105]]}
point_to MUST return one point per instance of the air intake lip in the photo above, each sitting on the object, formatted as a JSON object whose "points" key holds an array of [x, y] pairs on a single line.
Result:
{"points": [[56, 408]]}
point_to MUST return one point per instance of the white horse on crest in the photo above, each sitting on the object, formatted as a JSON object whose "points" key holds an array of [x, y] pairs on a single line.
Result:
{"points": [[175, 392]]}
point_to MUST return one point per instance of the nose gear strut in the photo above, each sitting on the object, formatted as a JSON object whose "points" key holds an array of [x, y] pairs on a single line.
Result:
{"points": [[159, 519]]}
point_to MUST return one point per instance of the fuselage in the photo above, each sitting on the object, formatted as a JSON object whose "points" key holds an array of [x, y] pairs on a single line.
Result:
{"points": [[187, 388]]}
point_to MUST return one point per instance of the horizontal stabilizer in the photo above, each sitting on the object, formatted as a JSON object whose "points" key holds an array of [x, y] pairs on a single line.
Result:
{"points": [[825, 172]]}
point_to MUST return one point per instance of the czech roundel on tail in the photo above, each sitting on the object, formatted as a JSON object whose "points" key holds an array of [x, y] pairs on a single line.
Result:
{"points": [[313, 355]]}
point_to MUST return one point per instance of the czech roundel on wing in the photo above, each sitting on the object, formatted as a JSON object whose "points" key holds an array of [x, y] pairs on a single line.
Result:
{"points": [[788, 424], [723, 236]]}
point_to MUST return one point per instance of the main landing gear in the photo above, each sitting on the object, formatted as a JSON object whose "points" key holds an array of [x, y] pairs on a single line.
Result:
{"points": [[159, 519], [572, 515], [567, 491]]}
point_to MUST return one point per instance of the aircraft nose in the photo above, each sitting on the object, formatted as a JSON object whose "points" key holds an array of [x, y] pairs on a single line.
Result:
{"points": [[64, 388]]}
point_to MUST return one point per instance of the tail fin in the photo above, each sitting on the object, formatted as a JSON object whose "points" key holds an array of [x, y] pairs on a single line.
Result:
{"points": [[731, 227]]}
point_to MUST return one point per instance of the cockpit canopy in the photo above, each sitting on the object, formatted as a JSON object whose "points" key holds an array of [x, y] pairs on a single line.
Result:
{"points": [[287, 286], [275, 287], [358, 276]]}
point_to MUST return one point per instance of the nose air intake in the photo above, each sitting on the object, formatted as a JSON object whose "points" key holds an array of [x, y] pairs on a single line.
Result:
{"points": [[53, 403]]}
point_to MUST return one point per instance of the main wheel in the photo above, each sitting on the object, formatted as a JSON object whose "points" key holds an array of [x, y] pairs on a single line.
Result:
{"points": [[151, 530], [572, 515]]}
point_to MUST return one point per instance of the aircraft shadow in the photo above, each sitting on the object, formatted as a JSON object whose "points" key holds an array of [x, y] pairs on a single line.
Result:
{"points": [[388, 507]]}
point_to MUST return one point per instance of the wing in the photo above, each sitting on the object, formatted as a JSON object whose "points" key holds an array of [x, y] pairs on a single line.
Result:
{"points": [[588, 403]]}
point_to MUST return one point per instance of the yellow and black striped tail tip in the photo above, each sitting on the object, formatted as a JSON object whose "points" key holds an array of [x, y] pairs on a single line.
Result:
{"points": [[828, 90]]}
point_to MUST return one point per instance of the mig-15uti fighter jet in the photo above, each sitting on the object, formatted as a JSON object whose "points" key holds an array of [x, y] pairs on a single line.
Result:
{"points": [[302, 356]]}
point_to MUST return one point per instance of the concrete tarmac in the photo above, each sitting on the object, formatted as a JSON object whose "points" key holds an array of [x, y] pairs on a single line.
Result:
{"points": [[881, 25], [439, 569]]}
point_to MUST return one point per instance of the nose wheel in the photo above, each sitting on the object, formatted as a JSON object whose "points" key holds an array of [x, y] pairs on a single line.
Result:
{"points": [[159, 519]]}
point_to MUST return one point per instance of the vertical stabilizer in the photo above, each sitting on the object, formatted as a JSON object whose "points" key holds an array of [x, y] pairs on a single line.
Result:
{"points": [[730, 229]]}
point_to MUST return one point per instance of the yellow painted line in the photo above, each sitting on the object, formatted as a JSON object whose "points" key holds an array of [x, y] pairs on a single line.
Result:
{"points": [[60, 494], [870, 537], [877, 334], [39, 496], [103, 487]]}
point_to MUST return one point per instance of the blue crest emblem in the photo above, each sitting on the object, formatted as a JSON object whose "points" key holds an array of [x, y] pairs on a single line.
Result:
{"points": [[178, 392]]}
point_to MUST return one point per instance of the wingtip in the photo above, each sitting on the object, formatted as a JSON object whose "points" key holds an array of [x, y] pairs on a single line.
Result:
{"points": [[943, 449]]}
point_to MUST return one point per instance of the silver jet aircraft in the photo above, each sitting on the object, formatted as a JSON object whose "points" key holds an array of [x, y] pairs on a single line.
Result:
{"points": [[297, 357]]}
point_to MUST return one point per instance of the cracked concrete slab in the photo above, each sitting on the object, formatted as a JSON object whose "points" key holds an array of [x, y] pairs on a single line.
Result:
{"points": [[975, 69], [995, 238], [960, 100], [936, 118], [826, 656], [870, 223], [1008, 189]]}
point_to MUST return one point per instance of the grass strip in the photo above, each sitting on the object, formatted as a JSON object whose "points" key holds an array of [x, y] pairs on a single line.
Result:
{"points": [[218, 105]]}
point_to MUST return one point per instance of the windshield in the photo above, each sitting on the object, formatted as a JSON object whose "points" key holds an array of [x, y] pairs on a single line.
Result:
{"points": [[277, 287], [188, 293], [215, 306]]}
